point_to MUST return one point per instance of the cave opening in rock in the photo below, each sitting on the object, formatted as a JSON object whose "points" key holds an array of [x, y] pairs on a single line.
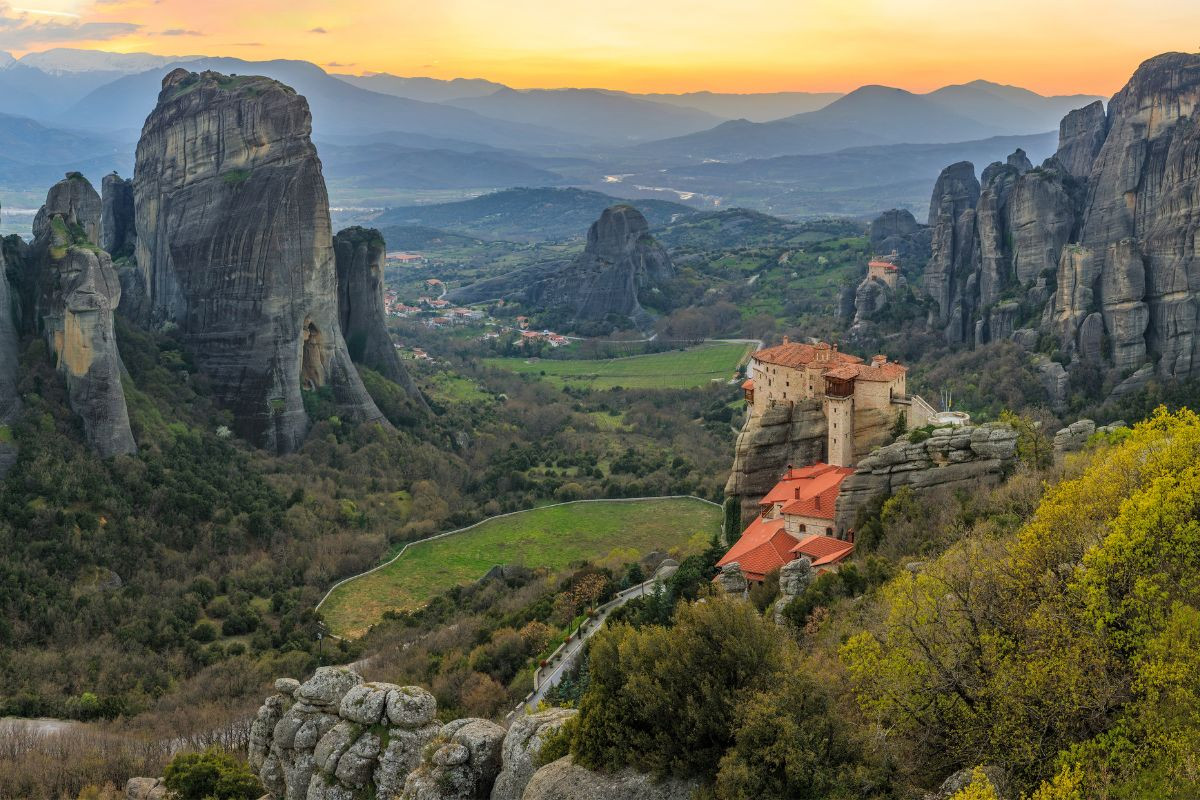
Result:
{"points": [[312, 367]]}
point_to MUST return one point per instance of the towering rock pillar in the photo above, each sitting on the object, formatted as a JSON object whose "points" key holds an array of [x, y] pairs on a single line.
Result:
{"points": [[235, 247], [10, 401], [116, 222], [360, 253], [77, 293]]}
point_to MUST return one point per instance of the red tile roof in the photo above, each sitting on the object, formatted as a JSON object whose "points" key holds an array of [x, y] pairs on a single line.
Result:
{"points": [[846, 373], [795, 354], [823, 550], [764, 547], [884, 264], [815, 486], [749, 384]]}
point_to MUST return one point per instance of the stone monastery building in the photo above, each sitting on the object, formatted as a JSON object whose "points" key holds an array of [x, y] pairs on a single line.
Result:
{"points": [[848, 388]]}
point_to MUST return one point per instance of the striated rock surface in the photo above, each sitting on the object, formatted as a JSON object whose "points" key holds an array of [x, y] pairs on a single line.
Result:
{"points": [[234, 247], [10, 400], [783, 434], [1073, 437], [898, 231], [954, 248], [565, 780], [77, 292], [732, 580], [145, 789], [1080, 137], [603, 283], [521, 748], [359, 254], [117, 229], [969, 456]]}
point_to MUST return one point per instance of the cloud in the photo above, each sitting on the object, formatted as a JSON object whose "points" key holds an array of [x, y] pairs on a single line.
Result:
{"points": [[339, 64], [19, 29], [247, 44], [317, 30], [179, 32]]}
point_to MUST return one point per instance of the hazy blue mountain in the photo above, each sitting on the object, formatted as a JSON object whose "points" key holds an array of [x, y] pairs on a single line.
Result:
{"points": [[525, 215], [762, 107], [77, 61], [432, 90], [389, 166], [337, 107], [879, 115], [591, 112], [854, 181], [25, 141], [1008, 109]]}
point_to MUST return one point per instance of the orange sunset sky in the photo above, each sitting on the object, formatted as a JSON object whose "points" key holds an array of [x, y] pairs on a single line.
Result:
{"points": [[1051, 46]]}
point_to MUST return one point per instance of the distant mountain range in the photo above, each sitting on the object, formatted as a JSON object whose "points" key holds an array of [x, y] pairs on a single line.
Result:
{"points": [[877, 115], [524, 215], [389, 140]]}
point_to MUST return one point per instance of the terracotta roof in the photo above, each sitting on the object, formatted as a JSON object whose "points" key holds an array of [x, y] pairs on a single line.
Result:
{"points": [[795, 354], [883, 373], [763, 547], [807, 484], [846, 373], [823, 550], [749, 384], [884, 264]]}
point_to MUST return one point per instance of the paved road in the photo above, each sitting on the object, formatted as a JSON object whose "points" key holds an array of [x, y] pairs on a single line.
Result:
{"points": [[568, 655]]}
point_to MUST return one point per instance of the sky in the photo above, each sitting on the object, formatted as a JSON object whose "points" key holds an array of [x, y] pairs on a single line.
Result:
{"points": [[1050, 46]]}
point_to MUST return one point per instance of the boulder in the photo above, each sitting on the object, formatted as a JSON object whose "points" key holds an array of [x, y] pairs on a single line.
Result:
{"points": [[794, 578], [522, 746], [328, 686], [365, 703], [145, 789], [463, 767], [410, 707], [565, 780], [1073, 437], [235, 249], [731, 579]]}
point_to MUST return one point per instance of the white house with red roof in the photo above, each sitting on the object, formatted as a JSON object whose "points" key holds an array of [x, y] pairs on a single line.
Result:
{"points": [[796, 519], [854, 395]]}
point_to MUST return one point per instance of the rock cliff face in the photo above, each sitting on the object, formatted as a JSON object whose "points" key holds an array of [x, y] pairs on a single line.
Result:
{"points": [[234, 247], [898, 231], [565, 780], [603, 283], [359, 254], [783, 434], [77, 292], [10, 400], [969, 457], [117, 230], [1095, 246]]}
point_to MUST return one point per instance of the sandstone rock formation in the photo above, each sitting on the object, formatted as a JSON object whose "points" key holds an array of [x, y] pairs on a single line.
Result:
{"points": [[117, 229], [522, 746], [359, 254], [1107, 223], [10, 400], [620, 262], [234, 247], [783, 434], [76, 293], [898, 231], [794, 578], [968, 457], [565, 780], [1073, 437]]}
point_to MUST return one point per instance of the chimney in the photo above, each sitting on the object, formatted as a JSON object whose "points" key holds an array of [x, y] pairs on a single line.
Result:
{"points": [[785, 339], [878, 360], [817, 501]]}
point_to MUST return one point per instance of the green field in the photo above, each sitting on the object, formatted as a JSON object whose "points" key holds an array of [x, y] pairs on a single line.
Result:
{"points": [[674, 369], [542, 537]]}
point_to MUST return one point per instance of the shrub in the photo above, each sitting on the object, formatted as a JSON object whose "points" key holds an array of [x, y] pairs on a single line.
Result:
{"points": [[211, 775]]}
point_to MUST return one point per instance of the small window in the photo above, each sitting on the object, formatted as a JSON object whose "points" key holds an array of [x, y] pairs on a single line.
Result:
{"points": [[803, 528], [829, 531]]}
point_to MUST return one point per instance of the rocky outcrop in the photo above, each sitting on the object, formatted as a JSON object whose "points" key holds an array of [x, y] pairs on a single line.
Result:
{"points": [[234, 247], [732, 580], [1080, 137], [782, 434], [794, 578], [870, 297], [463, 765], [565, 780], [117, 229], [953, 250], [968, 457], [620, 262], [77, 292], [335, 736], [359, 254], [897, 231], [10, 400], [1073, 437], [145, 789], [522, 746]]}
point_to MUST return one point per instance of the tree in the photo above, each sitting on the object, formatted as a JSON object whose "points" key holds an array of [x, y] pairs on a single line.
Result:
{"points": [[1034, 447], [211, 775], [733, 520]]}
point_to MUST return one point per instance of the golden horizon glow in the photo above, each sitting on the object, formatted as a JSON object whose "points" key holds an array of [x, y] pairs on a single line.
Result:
{"points": [[1049, 46]]}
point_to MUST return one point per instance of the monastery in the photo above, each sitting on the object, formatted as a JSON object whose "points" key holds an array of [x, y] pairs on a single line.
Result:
{"points": [[849, 389]]}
